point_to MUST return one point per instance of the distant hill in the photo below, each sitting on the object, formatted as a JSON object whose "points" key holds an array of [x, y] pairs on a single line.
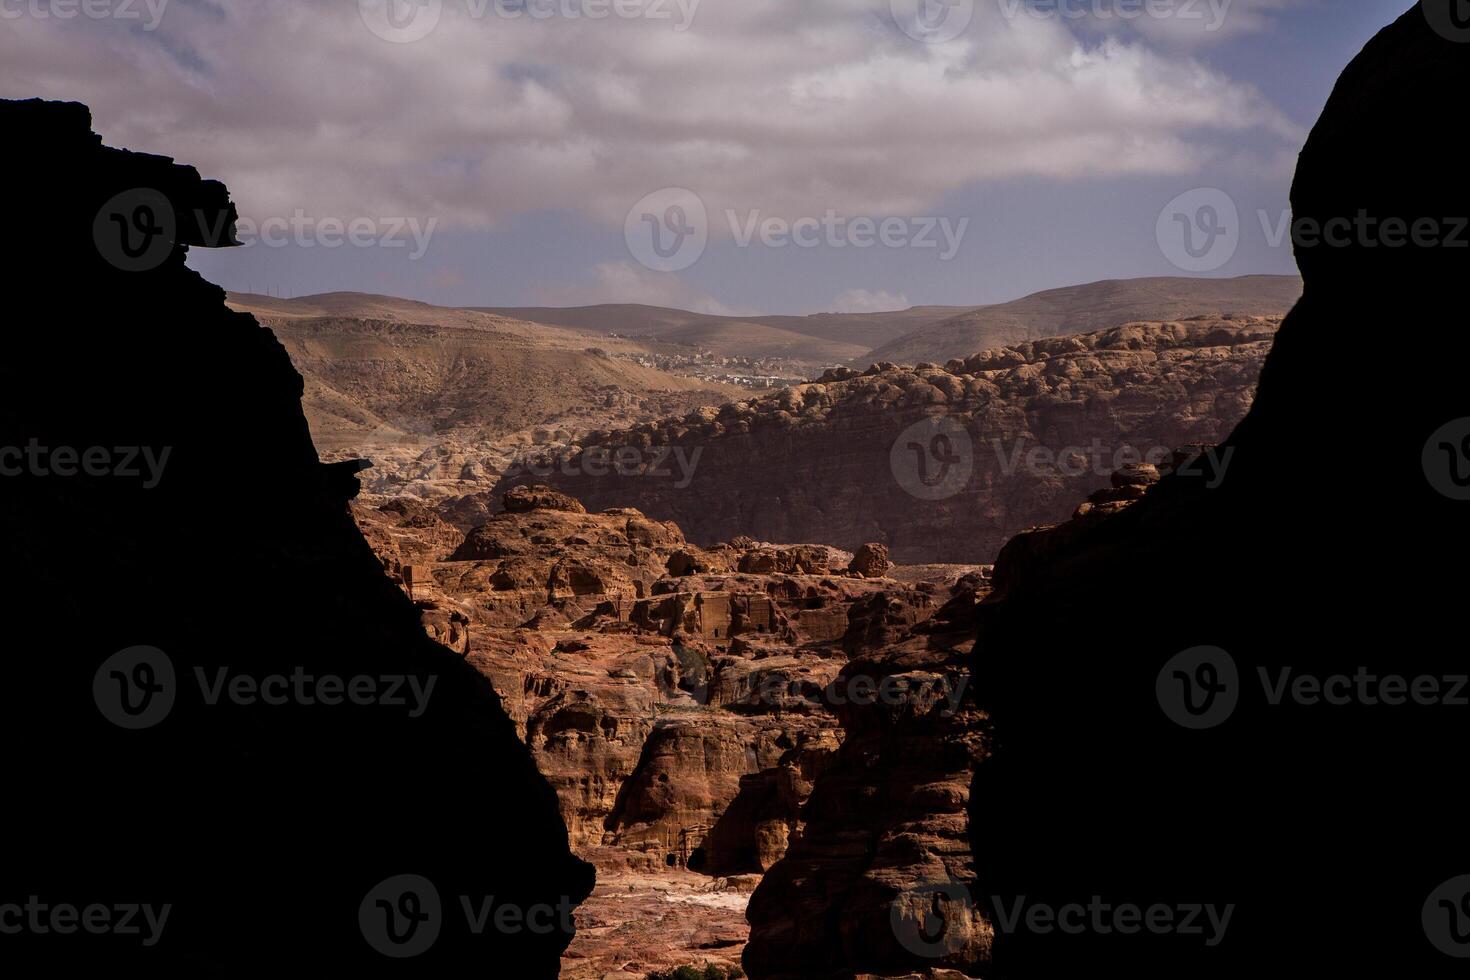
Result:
{"points": [[1087, 308], [380, 369], [368, 306], [819, 338]]}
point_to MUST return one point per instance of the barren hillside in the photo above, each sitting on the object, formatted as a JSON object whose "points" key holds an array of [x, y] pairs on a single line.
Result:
{"points": [[941, 464], [1083, 309]]}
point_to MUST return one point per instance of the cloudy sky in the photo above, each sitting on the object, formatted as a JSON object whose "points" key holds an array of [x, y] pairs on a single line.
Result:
{"points": [[721, 155]]}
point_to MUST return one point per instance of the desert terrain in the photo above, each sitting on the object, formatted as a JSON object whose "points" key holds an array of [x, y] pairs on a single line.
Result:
{"points": [[681, 660]]}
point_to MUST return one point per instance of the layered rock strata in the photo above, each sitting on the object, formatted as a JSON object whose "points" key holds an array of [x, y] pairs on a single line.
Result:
{"points": [[939, 464]]}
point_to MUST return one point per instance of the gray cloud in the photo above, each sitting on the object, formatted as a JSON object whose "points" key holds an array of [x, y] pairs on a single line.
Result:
{"points": [[790, 108]]}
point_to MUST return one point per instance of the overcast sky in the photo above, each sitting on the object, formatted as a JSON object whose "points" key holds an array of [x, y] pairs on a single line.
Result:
{"points": [[720, 155]]}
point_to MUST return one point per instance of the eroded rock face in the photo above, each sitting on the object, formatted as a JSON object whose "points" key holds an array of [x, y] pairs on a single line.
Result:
{"points": [[886, 822], [676, 697], [1031, 430], [264, 828], [682, 701], [520, 500]]}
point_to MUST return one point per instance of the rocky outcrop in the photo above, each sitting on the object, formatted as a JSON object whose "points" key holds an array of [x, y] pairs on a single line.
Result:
{"points": [[936, 463], [186, 640], [886, 819], [522, 500], [659, 684], [871, 561], [682, 701]]}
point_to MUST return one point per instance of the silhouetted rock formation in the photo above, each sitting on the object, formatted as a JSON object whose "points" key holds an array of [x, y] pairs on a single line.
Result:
{"points": [[940, 464], [1326, 549], [266, 827], [1314, 539]]}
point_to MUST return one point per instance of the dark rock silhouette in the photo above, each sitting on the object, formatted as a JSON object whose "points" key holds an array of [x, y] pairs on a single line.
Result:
{"points": [[1328, 549], [267, 828]]}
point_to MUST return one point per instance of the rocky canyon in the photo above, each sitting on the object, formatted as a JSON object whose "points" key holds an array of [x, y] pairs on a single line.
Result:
{"points": [[937, 463], [1108, 631], [682, 701]]}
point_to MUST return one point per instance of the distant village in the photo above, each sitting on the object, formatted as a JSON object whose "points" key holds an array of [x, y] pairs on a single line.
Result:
{"points": [[746, 372]]}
